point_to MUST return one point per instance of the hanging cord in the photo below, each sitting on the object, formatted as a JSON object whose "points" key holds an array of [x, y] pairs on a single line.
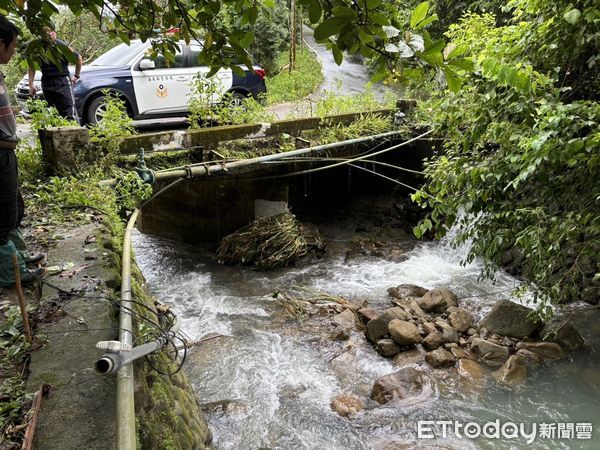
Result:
{"points": [[351, 160]]}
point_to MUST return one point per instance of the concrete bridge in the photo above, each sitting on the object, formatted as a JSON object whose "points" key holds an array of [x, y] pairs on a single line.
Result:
{"points": [[207, 208]]}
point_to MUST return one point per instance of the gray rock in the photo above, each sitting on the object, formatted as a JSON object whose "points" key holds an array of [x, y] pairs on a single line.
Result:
{"points": [[429, 327], [437, 300], [460, 320], [471, 331], [512, 373], [529, 359], [563, 333], [450, 346], [367, 314], [450, 335], [387, 347], [470, 369], [378, 328], [511, 319], [460, 353], [490, 353], [345, 319], [407, 290], [409, 357], [399, 385], [440, 358], [346, 405], [433, 340], [546, 351], [404, 333]]}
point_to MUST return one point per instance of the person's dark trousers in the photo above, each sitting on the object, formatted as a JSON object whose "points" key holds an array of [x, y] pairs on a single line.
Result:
{"points": [[9, 194], [58, 92]]}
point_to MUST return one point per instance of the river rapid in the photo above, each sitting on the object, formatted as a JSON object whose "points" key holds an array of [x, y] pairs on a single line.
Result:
{"points": [[269, 382]]}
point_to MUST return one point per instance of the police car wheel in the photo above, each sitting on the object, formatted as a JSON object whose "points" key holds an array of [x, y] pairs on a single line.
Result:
{"points": [[95, 110], [236, 100]]}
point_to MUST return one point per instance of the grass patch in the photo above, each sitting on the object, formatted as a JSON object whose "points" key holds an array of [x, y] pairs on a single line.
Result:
{"points": [[302, 81]]}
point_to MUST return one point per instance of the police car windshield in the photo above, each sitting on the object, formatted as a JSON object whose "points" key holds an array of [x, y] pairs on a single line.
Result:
{"points": [[120, 55]]}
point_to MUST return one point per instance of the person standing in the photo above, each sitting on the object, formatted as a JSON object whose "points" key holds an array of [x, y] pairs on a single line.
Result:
{"points": [[11, 202], [57, 82]]}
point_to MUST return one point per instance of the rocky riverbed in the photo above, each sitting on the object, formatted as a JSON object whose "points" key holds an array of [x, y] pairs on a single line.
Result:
{"points": [[316, 380]]}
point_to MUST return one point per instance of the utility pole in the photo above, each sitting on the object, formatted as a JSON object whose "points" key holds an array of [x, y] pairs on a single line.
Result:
{"points": [[292, 35]]}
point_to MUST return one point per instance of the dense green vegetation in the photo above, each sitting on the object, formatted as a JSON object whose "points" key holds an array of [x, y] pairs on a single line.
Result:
{"points": [[520, 168]]}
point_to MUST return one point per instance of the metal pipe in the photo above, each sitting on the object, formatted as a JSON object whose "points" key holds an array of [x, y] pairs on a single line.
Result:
{"points": [[206, 169], [111, 362], [126, 437], [213, 167]]}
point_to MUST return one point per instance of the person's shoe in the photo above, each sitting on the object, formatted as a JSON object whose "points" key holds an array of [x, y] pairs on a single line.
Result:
{"points": [[31, 276], [35, 259]]}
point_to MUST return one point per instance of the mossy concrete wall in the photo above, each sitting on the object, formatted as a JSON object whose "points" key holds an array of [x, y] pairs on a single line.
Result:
{"points": [[168, 415], [207, 209]]}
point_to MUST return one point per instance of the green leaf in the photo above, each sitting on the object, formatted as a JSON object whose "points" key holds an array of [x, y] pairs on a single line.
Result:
{"points": [[252, 14], [427, 21], [572, 16], [379, 19], [419, 14], [338, 56], [372, 4], [330, 27], [453, 80], [314, 12], [238, 71], [247, 39], [462, 63], [342, 11]]}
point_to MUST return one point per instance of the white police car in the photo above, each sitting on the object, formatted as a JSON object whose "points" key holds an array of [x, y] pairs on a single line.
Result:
{"points": [[150, 87]]}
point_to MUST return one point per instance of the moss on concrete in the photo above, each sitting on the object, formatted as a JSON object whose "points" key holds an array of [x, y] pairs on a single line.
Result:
{"points": [[168, 414]]}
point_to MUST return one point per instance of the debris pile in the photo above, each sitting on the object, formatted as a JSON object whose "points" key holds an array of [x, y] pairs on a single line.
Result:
{"points": [[268, 243]]}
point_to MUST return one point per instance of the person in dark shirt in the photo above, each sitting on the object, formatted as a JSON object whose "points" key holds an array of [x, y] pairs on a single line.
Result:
{"points": [[11, 202], [57, 82]]}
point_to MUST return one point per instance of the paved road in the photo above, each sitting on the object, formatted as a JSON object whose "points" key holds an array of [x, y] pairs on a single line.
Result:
{"points": [[348, 78]]}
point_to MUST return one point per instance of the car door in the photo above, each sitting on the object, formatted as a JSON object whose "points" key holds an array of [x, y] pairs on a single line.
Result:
{"points": [[163, 89], [223, 78]]}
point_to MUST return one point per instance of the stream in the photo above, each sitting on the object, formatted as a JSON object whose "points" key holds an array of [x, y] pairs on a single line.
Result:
{"points": [[269, 382]]}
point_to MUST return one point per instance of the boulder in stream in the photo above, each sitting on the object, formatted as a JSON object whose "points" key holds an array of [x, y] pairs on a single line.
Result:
{"points": [[367, 314], [562, 332], [512, 373], [437, 300], [407, 290], [511, 319], [490, 353], [404, 333], [409, 357], [460, 320], [470, 369], [345, 319], [378, 328], [545, 351], [433, 340], [346, 405], [387, 347], [399, 385], [440, 358]]}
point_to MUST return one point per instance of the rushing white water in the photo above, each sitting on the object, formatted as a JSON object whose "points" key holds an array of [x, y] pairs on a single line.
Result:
{"points": [[281, 376]]}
